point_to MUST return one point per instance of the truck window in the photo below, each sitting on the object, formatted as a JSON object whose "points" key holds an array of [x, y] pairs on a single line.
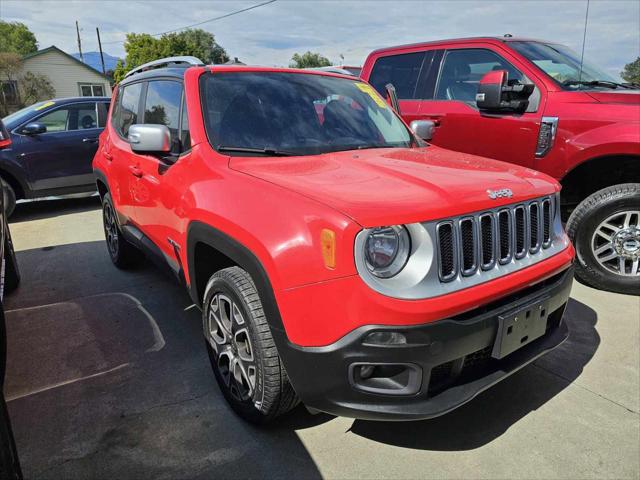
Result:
{"points": [[402, 71], [463, 69]]}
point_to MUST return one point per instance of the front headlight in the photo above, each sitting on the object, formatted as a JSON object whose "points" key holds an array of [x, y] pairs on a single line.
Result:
{"points": [[386, 250]]}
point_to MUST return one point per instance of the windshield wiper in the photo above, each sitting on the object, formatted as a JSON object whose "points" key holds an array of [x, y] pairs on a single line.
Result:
{"points": [[596, 83], [271, 152]]}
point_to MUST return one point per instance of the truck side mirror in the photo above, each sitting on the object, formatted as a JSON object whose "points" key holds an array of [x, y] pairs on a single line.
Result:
{"points": [[495, 93], [423, 129]]}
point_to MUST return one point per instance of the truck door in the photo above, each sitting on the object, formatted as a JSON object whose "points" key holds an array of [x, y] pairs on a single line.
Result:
{"points": [[460, 126]]}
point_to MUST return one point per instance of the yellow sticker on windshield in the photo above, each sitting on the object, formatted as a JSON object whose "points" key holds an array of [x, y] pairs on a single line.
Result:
{"points": [[369, 90], [44, 105]]}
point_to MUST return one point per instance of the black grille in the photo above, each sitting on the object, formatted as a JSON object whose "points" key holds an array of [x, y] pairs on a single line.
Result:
{"points": [[486, 237], [534, 215], [493, 238], [446, 249], [520, 231], [504, 224], [546, 222], [468, 245]]}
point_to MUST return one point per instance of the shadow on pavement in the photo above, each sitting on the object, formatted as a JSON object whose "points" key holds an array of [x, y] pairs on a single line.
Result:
{"points": [[492, 413], [53, 207], [109, 378]]}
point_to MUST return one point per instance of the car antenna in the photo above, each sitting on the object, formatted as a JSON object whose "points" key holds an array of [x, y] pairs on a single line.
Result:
{"points": [[584, 40]]}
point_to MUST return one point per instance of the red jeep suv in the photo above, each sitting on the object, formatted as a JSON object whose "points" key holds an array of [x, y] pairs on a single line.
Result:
{"points": [[550, 112], [337, 258]]}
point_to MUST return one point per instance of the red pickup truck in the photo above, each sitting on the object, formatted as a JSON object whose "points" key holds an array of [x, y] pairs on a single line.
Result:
{"points": [[531, 103]]}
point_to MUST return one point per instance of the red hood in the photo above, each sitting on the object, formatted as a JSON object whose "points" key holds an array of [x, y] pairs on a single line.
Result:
{"points": [[628, 97], [392, 186]]}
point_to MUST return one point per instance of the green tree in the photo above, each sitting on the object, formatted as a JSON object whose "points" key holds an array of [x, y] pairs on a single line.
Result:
{"points": [[309, 60], [15, 37], [142, 48], [631, 72], [34, 87]]}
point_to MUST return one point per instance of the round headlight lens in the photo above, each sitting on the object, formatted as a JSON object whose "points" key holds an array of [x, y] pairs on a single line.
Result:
{"points": [[386, 250]]}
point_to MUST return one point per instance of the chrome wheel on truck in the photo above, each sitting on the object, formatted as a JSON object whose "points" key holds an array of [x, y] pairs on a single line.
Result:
{"points": [[605, 230], [616, 243]]}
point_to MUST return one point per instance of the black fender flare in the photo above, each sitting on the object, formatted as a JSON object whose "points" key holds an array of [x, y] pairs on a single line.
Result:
{"points": [[199, 232], [100, 175]]}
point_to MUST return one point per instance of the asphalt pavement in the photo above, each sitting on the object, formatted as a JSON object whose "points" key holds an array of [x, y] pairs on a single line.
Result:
{"points": [[108, 377]]}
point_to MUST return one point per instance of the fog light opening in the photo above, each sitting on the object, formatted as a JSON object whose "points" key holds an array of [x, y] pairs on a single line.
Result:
{"points": [[385, 338], [389, 379]]}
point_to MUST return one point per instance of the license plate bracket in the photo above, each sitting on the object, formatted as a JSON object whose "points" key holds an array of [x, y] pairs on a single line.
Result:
{"points": [[520, 327]]}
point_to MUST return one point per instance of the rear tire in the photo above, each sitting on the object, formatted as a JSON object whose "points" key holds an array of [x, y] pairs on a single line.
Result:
{"points": [[243, 355], [122, 253], [605, 230]]}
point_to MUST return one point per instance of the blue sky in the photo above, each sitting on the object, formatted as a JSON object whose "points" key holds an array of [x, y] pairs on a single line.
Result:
{"points": [[270, 35]]}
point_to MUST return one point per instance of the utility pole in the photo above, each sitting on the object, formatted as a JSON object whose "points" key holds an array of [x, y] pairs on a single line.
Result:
{"points": [[104, 71], [79, 43]]}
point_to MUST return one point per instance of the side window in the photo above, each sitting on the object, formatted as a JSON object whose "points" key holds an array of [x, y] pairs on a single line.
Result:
{"points": [[162, 107], [127, 112], [463, 69], [400, 70], [80, 116], [55, 121], [103, 108]]}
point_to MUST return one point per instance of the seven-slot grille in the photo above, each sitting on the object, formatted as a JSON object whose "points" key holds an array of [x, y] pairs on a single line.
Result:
{"points": [[486, 241]]}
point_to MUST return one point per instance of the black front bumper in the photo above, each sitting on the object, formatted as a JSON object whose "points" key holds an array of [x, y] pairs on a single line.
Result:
{"points": [[441, 366]]}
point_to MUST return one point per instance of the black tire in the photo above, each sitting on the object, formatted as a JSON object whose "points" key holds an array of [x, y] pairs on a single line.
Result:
{"points": [[122, 253], [272, 394], [11, 270], [9, 199], [582, 225]]}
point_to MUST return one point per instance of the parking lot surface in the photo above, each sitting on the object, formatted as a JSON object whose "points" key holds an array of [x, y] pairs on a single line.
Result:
{"points": [[108, 377]]}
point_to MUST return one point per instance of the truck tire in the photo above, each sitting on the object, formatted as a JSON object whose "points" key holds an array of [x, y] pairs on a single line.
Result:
{"points": [[605, 230], [9, 199], [243, 355], [10, 264], [122, 253]]}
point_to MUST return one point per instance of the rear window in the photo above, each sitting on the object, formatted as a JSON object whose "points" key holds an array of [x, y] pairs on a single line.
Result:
{"points": [[400, 70]]}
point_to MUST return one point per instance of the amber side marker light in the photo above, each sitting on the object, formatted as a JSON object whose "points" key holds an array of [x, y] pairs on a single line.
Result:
{"points": [[328, 245]]}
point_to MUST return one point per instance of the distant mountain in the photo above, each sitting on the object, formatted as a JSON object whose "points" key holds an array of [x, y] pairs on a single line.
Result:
{"points": [[93, 60]]}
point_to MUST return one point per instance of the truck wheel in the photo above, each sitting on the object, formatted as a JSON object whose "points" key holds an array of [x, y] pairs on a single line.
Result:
{"points": [[605, 230], [10, 264], [243, 355], [9, 199], [122, 253]]}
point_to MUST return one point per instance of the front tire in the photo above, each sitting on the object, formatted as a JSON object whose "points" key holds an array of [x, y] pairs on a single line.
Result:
{"points": [[243, 355], [122, 253], [10, 264], [9, 198], [605, 230]]}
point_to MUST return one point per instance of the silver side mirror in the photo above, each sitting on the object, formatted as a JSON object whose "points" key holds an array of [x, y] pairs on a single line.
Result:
{"points": [[423, 129], [150, 138]]}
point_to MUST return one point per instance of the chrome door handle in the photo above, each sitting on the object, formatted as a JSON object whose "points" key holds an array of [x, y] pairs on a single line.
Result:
{"points": [[89, 140]]}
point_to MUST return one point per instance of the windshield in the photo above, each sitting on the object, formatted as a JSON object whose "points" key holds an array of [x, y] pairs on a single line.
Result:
{"points": [[562, 64], [297, 114], [21, 116]]}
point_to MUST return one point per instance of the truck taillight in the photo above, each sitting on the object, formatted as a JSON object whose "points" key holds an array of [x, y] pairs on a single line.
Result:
{"points": [[547, 135]]}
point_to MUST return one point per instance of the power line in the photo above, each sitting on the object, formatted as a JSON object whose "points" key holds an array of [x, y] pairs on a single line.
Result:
{"points": [[236, 12]]}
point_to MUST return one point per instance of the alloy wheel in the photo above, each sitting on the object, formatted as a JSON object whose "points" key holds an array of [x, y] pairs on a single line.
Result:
{"points": [[616, 243], [110, 229], [227, 333]]}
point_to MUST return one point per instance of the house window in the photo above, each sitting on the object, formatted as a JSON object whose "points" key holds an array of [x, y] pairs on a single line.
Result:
{"points": [[9, 92], [92, 89]]}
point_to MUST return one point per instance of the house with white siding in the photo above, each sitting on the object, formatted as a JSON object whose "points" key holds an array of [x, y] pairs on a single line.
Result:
{"points": [[69, 76]]}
